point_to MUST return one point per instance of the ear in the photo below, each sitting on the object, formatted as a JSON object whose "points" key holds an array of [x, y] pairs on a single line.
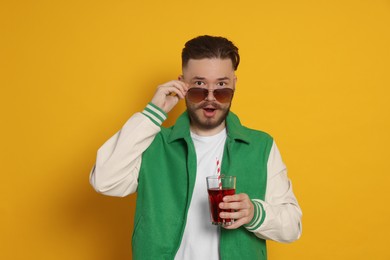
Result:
{"points": [[180, 77], [235, 80]]}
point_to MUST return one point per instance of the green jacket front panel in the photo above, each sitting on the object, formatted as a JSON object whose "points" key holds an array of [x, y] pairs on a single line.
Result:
{"points": [[166, 180]]}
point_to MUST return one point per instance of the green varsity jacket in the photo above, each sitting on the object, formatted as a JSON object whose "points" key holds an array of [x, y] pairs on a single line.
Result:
{"points": [[166, 181]]}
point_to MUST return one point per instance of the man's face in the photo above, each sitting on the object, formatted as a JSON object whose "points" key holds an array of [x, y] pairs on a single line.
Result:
{"points": [[208, 116]]}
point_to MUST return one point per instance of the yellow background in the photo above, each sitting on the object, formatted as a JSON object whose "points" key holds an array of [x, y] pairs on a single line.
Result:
{"points": [[314, 74]]}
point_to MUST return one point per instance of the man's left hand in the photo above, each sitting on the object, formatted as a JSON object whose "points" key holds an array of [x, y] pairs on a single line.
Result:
{"points": [[243, 207]]}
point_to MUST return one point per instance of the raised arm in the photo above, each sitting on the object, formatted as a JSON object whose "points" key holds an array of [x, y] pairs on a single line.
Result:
{"points": [[118, 161]]}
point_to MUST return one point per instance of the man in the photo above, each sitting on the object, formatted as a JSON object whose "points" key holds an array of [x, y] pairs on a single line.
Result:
{"points": [[167, 167]]}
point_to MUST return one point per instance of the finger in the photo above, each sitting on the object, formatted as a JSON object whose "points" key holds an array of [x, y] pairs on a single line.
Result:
{"points": [[235, 197], [171, 90], [232, 205], [240, 218], [234, 215], [174, 92], [180, 85], [236, 205], [185, 85], [236, 224]]}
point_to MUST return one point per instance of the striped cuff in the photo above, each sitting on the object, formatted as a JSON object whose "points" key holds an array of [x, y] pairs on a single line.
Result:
{"points": [[258, 217], [154, 113]]}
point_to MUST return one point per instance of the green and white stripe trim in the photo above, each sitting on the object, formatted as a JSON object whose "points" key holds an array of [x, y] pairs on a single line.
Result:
{"points": [[258, 217], [156, 114]]}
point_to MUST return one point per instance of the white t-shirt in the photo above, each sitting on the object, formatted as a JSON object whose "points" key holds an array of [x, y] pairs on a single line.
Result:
{"points": [[200, 240]]}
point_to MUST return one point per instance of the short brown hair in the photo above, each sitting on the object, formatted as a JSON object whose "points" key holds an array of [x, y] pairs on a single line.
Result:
{"points": [[210, 47]]}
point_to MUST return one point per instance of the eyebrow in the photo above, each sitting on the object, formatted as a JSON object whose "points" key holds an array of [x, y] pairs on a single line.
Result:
{"points": [[203, 78], [224, 78]]}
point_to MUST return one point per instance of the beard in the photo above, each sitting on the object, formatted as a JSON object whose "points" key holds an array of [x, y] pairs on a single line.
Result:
{"points": [[198, 120]]}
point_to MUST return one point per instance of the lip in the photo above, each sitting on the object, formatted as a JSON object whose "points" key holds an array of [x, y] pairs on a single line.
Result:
{"points": [[209, 111]]}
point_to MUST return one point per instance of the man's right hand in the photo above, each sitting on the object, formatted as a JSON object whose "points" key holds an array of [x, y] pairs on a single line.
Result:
{"points": [[169, 94]]}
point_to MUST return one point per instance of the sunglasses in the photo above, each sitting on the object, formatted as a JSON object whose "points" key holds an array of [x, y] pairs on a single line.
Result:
{"points": [[222, 95]]}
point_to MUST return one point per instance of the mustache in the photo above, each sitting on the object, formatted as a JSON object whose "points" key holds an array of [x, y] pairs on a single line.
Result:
{"points": [[209, 104]]}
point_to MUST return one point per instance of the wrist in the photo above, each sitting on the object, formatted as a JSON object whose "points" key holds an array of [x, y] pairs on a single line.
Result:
{"points": [[258, 216], [155, 114]]}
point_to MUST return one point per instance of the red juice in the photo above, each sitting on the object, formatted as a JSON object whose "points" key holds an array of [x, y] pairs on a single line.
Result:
{"points": [[215, 197]]}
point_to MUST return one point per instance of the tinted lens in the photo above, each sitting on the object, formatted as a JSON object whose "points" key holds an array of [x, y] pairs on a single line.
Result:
{"points": [[197, 95], [223, 95]]}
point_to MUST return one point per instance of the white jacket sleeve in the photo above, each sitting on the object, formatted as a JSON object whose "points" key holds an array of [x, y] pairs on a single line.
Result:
{"points": [[118, 161], [277, 218]]}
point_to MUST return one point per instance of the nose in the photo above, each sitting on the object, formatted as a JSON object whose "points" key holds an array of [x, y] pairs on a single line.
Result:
{"points": [[210, 95]]}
